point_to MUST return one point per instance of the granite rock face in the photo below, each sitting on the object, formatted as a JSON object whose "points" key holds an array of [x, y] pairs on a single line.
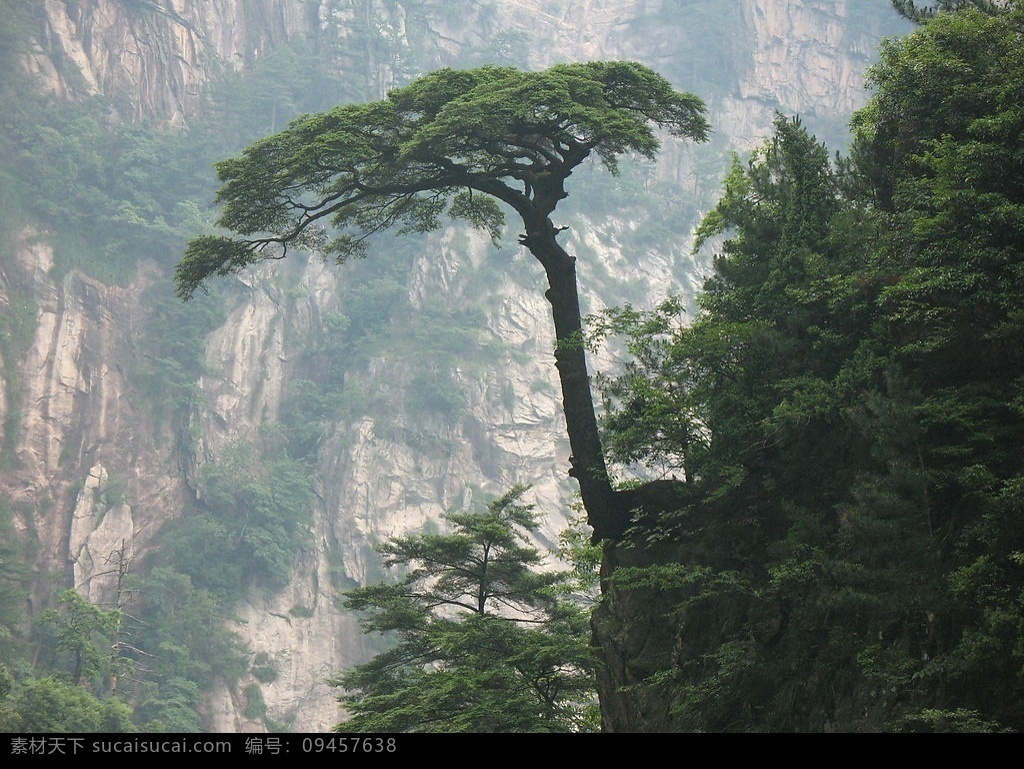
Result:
{"points": [[96, 471]]}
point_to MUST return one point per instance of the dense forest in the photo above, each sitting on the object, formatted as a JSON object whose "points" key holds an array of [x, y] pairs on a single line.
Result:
{"points": [[847, 405], [842, 419]]}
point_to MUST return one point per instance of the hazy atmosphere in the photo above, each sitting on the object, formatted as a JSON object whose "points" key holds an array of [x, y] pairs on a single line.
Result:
{"points": [[605, 366]]}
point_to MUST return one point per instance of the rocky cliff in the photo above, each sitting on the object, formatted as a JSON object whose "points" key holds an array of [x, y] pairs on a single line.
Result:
{"points": [[96, 469]]}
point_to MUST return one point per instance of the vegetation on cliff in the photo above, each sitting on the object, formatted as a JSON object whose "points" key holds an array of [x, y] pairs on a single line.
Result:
{"points": [[836, 544], [455, 142], [849, 406], [484, 638]]}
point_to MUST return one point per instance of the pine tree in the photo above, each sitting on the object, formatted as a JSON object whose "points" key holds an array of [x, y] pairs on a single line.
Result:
{"points": [[468, 144], [484, 639]]}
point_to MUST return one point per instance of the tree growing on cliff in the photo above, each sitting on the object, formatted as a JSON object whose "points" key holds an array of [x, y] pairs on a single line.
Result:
{"points": [[854, 557], [920, 13], [485, 641], [458, 143], [83, 634]]}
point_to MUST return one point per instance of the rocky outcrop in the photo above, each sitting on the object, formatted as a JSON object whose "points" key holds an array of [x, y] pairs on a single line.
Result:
{"points": [[88, 473], [153, 58], [95, 470]]}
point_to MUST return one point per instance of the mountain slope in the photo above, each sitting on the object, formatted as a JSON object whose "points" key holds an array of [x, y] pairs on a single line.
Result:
{"points": [[410, 384]]}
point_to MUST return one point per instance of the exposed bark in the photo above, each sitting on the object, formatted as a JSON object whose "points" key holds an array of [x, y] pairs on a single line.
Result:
{"points": [[608, 511], [587, 463]]}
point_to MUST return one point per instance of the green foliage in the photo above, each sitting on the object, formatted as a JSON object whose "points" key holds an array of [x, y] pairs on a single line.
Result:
{"points": [[55, 706], [912, 11], [82, 633], [171, 706], [107, 196], [452, 141], [111, 193], [17, 334], [332, 180], [484, 640], [777, 320], [959, 721], [436, 393], [432, 341], [187, 646], [264, 669], [286, 81], [254, 519], [851, 557], [75, 642], [246, 535], [644, 418], [255, 707], [15, 572], [171, 363]]}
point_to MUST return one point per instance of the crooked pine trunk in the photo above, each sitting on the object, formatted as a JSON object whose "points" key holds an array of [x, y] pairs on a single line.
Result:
{"points": [[605, 511]]}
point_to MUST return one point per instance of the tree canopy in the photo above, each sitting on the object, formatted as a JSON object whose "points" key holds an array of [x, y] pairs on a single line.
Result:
{"points": [[919, 13], [849, 403], [455, 142], [427, 148], [485, 639]]}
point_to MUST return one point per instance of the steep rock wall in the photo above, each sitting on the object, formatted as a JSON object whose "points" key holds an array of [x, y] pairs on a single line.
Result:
{"points": [[153, 58], [95, 469], [76, 418]]}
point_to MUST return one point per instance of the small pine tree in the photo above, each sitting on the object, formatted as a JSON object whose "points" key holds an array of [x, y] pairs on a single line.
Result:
{"points": [[484, 640]]}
